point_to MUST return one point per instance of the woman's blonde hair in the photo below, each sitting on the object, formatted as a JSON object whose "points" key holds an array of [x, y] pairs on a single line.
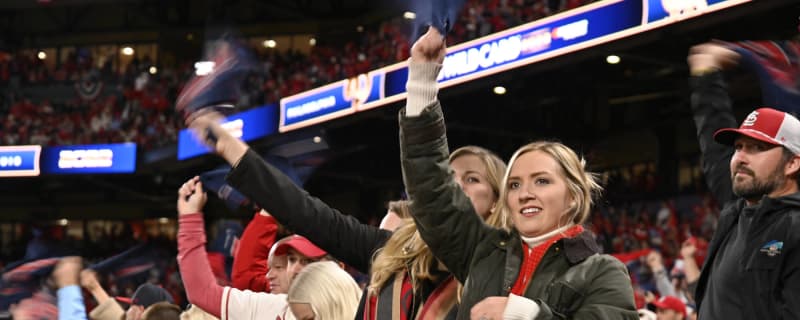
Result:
{"points": [[406, 251], [328, 289], [495, 168], [195, 313], [582, 185], [400, 208]]}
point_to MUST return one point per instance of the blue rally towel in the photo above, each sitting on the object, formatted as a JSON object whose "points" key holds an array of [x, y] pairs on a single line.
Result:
{"points": [[214, 182], [30, 270], [441, 14], [221, 87], [130, 263], [226, 241], [777, 64], [228, 234], [13, 294], [20, 280]]}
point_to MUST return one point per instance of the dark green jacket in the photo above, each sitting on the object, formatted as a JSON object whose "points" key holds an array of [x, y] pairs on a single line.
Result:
{"points": [[572, 280]]}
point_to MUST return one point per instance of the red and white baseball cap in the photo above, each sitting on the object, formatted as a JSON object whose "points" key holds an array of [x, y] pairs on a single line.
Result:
{"points": [[768, 125], [302, 245], [671, 303]]}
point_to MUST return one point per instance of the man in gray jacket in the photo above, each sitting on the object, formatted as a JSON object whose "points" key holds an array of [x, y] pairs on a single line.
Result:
{"points": [[753, 265]]}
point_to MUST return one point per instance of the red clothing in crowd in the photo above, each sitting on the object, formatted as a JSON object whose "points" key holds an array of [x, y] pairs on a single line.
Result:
{"points": [[203, 291], [250, 263], [201, 288]]}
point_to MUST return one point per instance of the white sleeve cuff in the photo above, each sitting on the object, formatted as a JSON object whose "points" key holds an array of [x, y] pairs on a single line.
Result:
{"points": [[520, 308], [421, 86]]}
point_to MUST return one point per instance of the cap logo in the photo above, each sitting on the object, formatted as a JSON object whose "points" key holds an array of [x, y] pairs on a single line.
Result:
{"points": [[751, 119]]}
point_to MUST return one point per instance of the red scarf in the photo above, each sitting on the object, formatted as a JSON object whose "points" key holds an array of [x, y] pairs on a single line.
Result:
{"points": [[531, 258], [435, 307]]}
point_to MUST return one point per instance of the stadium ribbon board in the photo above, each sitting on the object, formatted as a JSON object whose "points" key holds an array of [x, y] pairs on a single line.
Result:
{"points": [[19, 161], [248, 125], [90, 159], [560, 34]]}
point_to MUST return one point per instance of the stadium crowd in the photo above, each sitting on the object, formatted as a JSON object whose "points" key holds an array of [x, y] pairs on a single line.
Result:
{"points": [[129, 104], [471, 211]]}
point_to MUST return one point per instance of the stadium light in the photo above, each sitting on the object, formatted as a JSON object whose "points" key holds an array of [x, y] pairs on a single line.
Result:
{"points": [[499, 90], [613, 59], [128, 51], [409, 15], [202, 68]]}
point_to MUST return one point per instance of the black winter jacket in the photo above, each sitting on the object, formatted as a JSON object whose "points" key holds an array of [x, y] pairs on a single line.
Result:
{"points": [[342, 236], [770, 281]]}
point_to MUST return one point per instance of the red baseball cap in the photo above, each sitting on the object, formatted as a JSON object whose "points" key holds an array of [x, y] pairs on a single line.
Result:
{"points": [[302, 245], [767, 125], [671, 303]]}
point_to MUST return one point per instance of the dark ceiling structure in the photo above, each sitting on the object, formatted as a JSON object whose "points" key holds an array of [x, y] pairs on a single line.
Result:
{"points": [[635, 111], [58, 22]]}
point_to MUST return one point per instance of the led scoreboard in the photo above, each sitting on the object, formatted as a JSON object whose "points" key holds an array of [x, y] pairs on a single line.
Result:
{"points": [[584, 27]]}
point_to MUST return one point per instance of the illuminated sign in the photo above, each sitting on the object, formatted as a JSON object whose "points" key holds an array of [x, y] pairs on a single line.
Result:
{"points": [[248, 125], [681, 9], [19, 161], [584, 27], [330, 101], [94, 158]]}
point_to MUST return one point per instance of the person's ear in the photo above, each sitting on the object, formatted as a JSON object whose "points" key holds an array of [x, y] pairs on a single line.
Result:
{"points": [[792, 166]]}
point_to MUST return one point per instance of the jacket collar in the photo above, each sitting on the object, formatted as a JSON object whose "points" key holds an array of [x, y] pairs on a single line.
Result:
{"points": [[580, 247], [771, 205], [576, 249]]}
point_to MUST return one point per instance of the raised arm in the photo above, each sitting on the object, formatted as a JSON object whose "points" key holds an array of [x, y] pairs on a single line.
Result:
{"points": [[690, 267], [201, 287], [107, 308], [661, 276], [442, 212], [711, 109], [343, 236], [70, 300]]}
